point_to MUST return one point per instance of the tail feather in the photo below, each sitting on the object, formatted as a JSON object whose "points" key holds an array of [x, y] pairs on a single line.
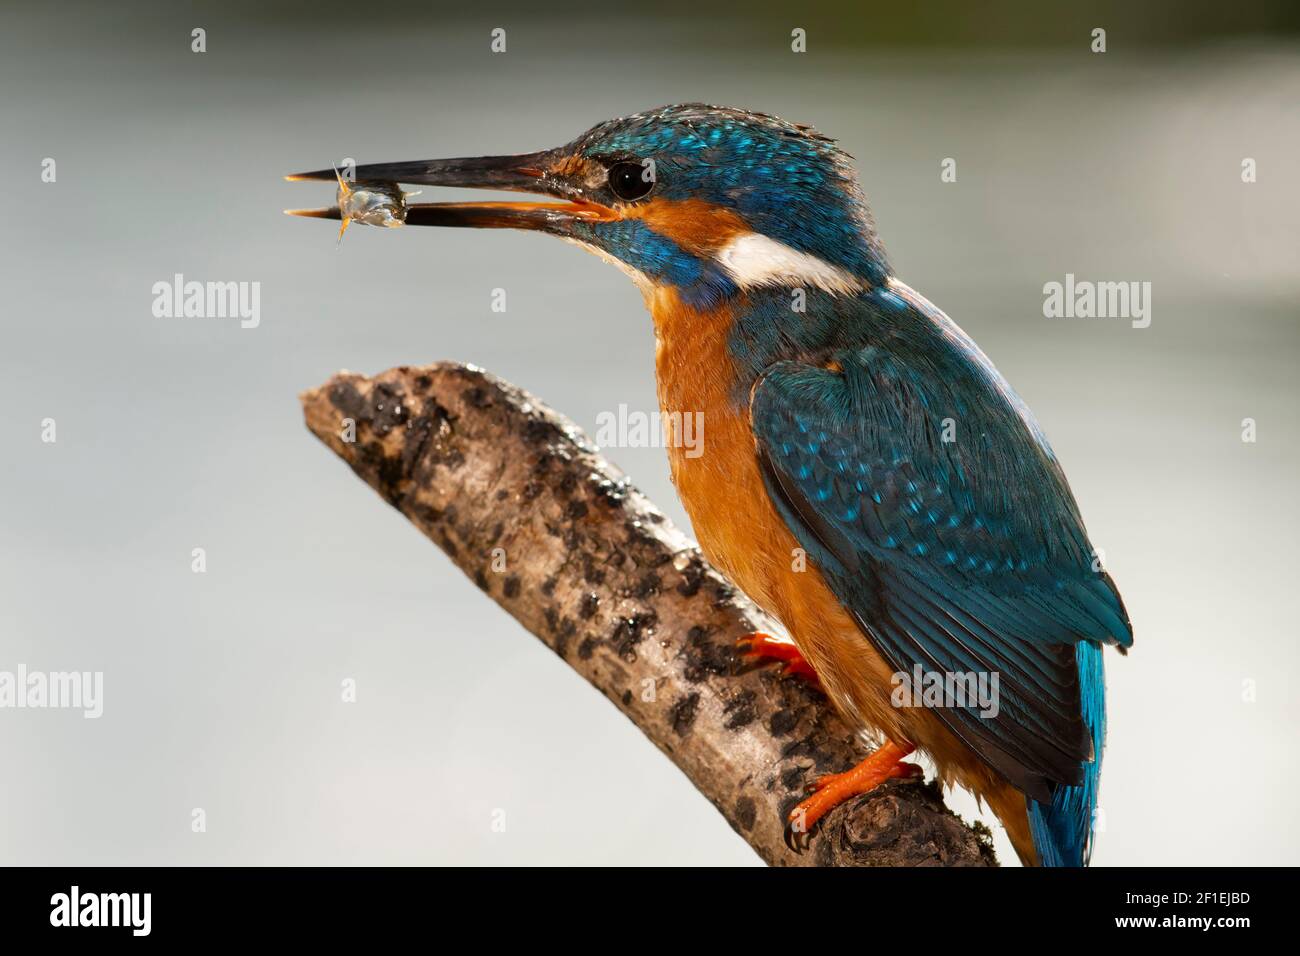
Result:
{"points": [[1063, 829]]}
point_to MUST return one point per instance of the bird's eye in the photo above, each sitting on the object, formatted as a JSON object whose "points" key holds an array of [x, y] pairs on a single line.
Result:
{"points": [[631, 181]]}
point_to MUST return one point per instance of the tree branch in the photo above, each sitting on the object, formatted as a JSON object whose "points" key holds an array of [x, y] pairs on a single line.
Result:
{"points": [[523, 504]]}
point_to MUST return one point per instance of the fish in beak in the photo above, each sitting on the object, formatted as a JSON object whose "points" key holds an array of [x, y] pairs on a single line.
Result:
{"points": [[374, 204], [375, 198]]}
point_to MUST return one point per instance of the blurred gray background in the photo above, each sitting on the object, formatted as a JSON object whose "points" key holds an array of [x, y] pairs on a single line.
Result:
{"points": [[222, 689]]}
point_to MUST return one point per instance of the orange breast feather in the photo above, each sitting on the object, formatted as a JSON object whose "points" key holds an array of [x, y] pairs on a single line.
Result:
{"points": [[741, 532]]}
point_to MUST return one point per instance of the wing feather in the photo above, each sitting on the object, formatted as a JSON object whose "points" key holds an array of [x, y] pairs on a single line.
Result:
{"points": [[951, 556]]}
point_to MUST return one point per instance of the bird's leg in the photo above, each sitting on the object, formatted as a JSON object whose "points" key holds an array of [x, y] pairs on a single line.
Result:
{"points": [[834, 789], [761, 646]]}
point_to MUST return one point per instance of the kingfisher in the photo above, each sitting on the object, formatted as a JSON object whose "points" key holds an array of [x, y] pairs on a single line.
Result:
{"points": [[869, 479]]}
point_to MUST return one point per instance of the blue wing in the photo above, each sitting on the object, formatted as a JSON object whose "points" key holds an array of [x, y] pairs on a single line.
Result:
{"points": [[961, 555]]}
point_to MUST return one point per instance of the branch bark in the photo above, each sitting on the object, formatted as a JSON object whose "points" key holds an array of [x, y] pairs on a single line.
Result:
{"points": [[523, 504]]}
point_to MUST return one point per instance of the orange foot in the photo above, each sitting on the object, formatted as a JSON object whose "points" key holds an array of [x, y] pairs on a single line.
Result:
{"points": [[834, 789], [762, 646]]}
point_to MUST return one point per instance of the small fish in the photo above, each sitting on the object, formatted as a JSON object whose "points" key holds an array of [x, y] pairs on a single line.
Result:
{"points": [[369, 203], [374, 204]]}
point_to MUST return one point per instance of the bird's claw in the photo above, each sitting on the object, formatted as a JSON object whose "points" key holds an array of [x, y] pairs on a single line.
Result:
{"points": [[765, 647], [796, 840], [830, 790], [903, 771]]}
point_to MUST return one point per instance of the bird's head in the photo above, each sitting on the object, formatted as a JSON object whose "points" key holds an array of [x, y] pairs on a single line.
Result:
{"points": [[710, 201]]}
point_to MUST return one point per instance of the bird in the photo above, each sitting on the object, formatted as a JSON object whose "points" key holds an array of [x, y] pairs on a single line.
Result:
{"points": [[869, 479]]}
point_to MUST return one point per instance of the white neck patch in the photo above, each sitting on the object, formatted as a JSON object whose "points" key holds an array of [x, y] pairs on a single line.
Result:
{"points": [[753, 260]]}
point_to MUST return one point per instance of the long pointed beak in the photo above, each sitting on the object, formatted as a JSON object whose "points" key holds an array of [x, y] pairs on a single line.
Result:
{"points": [[520, 173], [526, 172]]}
